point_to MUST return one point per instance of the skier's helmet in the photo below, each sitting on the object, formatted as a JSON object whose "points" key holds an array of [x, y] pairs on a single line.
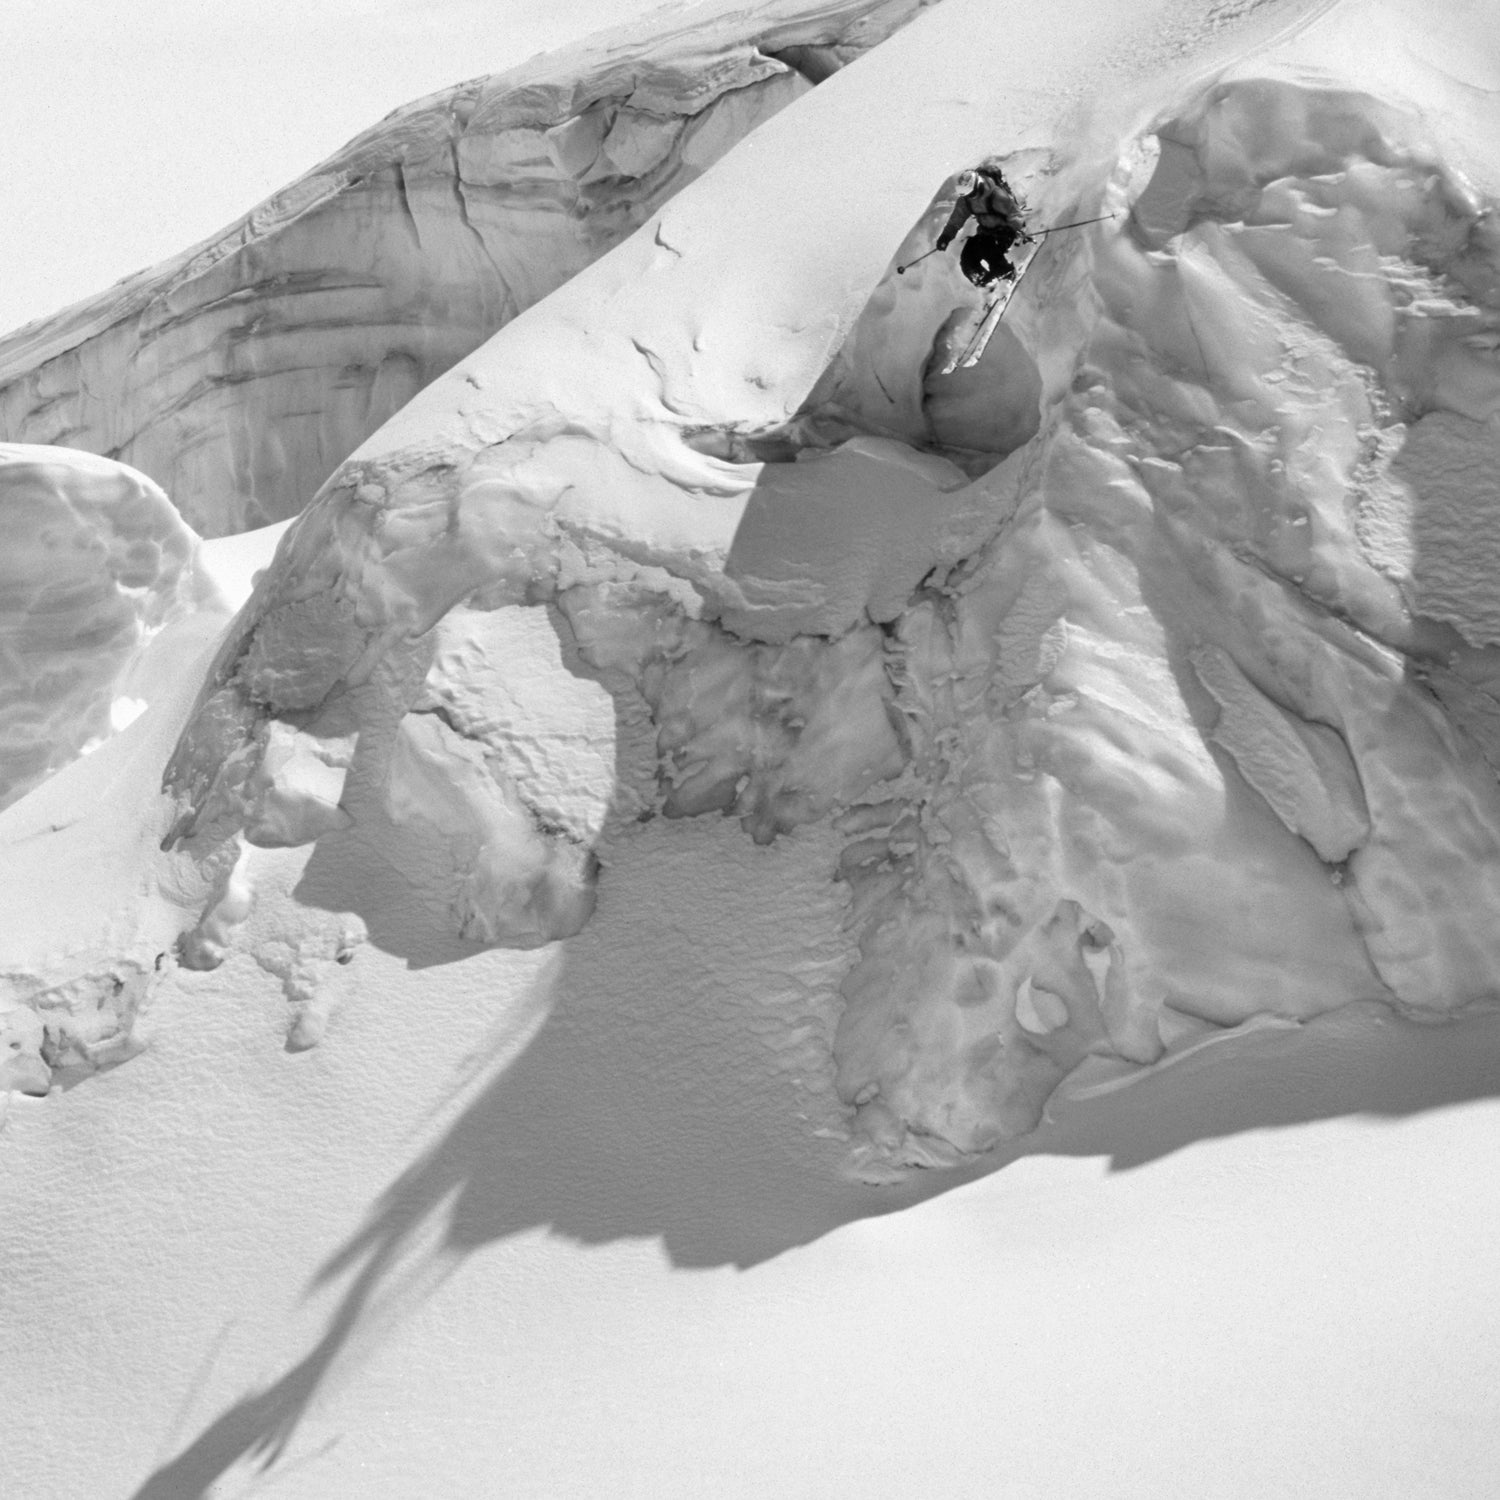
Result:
{"points": [[967, 182]]}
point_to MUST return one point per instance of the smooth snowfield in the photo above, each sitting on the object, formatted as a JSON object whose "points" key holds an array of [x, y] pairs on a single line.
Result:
{"points": [[734, 915]]}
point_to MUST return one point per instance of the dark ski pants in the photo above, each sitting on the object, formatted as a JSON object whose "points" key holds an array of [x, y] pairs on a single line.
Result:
{"points": [[983, 259]]}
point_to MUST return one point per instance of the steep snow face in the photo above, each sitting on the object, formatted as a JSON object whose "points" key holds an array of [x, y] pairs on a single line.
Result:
{"points": [[239, 375], [1144, 671], [95, 564]]}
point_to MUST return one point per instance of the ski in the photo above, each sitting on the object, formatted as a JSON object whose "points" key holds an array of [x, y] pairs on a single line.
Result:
{"points": [[990, 322], [970, 353]]}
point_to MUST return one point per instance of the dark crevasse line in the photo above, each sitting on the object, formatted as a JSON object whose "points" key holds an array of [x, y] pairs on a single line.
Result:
{"points": [[408, 248]]}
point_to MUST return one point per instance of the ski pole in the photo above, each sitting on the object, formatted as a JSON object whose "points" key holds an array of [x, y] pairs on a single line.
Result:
{"points": [[1077, 224], [902, 270]]}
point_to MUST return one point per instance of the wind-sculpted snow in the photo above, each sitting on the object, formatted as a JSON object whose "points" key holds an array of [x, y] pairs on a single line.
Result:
{"points": [[240, 374], [94, 563], [1183, 767], [694, 754]]}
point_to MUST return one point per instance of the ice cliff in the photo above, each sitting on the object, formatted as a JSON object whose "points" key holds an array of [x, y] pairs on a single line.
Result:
{"points": [[1147, 671], [239, 374], [95, 564]]}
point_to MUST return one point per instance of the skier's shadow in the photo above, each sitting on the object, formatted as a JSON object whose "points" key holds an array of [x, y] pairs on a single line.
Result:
{"points": [[594, 1134], [628, 1113]]}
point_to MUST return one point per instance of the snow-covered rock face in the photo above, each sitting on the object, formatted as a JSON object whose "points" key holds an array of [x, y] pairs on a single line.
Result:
{"points": [[95, 562], [241, 374]]}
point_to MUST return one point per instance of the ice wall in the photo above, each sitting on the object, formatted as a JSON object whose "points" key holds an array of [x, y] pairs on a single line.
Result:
{"points": [[95, 563], [1170, 717], [240, 374], [1202, 732]]}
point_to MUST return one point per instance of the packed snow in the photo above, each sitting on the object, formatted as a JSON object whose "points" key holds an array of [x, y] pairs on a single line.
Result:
{"points": [[828, 779]]}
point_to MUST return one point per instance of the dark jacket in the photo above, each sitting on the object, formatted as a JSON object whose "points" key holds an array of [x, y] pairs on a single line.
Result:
{"points": [[995, 208]]}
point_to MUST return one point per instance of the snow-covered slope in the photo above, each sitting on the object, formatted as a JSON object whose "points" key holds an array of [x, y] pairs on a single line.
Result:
{"points": [[1104, 657], [784, 766], [95, 562], [239, 374]]}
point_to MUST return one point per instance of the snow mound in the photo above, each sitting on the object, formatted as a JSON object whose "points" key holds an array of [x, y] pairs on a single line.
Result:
{"points": [[241, 373], [1185, 765], [95, 563]]}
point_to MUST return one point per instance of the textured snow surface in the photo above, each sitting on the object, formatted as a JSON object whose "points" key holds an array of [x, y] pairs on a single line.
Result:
{"points": [[694, 765], [1128, 731], [94, 563]]}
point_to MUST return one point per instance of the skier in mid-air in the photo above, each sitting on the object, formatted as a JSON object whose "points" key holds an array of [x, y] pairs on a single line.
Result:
{"points": [[985, 196]]}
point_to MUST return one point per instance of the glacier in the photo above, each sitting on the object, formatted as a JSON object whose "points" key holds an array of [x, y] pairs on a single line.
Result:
{"points": [[1136, 727], [603, 543]]}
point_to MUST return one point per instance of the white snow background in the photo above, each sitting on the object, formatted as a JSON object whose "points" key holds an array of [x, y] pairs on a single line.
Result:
{"points": [[423, 1161]]}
